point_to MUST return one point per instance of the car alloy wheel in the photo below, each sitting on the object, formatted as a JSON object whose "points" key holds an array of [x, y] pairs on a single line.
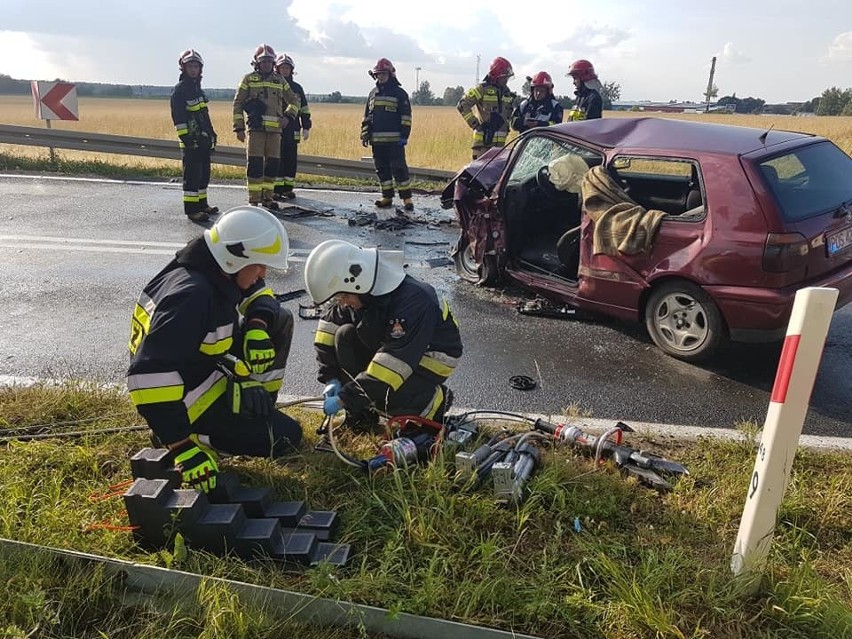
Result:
{"points": [[683, 321], [466, 265]]}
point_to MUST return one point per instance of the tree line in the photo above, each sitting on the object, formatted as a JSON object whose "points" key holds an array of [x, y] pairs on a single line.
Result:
{"points": [[832, 101]]}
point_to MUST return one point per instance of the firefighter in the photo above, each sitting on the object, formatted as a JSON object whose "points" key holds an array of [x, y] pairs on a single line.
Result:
{"points": [[488, 106], [541, 108], [264, 104], [388, 343], [292, 133], [588, 89], [209, 308], [197, 137], [386, 126]]}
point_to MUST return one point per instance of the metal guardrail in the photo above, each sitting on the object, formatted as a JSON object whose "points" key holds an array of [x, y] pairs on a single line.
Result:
{"points": [[168, 149], [281, 604]]}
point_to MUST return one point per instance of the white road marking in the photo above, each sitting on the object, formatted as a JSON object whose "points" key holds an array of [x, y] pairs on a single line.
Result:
{"points": [[92, 245]]}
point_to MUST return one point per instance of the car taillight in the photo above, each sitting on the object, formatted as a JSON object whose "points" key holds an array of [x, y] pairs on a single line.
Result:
{"points": [[785, 252]]}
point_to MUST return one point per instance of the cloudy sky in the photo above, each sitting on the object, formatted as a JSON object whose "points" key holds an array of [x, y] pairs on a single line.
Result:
{"points": [[778, 50]]}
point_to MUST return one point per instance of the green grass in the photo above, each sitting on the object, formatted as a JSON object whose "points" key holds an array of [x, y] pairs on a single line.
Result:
{"points": [[10, 162], [644, 565]]}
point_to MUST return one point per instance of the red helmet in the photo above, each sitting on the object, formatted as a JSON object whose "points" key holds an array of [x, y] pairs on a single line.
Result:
{"points": [[283, 58], [500, 68], [542, 79], [383, 64], [263, 52], [190, 55], [583, 71]]}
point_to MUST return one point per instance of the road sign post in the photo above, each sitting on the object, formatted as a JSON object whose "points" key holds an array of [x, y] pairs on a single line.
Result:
{"points": [[55, 101], [788, 405]]}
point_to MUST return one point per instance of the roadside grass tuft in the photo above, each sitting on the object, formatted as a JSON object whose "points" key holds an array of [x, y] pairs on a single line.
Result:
{"points": [[642, 564]]}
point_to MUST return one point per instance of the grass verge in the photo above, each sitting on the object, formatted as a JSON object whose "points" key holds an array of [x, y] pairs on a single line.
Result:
{"points": [[171, 170], [642, 565]]}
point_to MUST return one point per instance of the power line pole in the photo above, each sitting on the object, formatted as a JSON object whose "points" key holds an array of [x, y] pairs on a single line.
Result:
{"points": [[709, 93]]}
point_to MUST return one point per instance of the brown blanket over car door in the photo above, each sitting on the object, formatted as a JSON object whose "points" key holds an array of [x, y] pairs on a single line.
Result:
{"points": [[621, 225]]}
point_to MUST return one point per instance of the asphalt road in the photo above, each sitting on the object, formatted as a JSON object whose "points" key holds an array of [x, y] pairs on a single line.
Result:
{"points": [[76, 253]]}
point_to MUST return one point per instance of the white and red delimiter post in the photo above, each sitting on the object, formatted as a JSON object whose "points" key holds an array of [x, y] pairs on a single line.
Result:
{"points": [[788, 405]]}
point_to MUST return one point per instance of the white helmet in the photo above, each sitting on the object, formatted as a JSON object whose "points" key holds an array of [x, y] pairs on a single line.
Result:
{"points": [[336, 267], [248, 235]]}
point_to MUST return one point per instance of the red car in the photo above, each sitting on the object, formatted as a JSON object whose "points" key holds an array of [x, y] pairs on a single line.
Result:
{"points": [[703, 231]]}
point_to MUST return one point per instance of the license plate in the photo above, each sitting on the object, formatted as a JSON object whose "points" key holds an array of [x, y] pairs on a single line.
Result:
{"points": [[836, 242]]}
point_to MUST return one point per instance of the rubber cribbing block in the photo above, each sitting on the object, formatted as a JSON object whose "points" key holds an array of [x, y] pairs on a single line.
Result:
{"points": [[322, 534], [145, 502], [299, 547], [255, 500], [336, 554], [185, 507], [287, 512], [218, 527], [226, 485], [259, 537], [322, 523], [155, 463]]}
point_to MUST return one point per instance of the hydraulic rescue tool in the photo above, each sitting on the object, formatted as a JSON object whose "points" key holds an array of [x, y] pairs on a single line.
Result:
{"points": [[647, 468], [508, 457], [411, 439]]}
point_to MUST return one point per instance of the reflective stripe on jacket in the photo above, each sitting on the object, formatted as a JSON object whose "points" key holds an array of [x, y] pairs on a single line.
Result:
{"points": [[185, 319], [477, 105], [293, 128], [189, 112], [411, 330], [387, 116], [545, 112], [274, 92]]}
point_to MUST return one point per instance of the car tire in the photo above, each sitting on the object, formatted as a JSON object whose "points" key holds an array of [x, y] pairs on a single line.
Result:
{"points": [[684, 321], [469, 269]]}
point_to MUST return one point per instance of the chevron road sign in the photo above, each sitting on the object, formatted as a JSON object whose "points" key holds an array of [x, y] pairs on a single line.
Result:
{"points": [[55, 100]]}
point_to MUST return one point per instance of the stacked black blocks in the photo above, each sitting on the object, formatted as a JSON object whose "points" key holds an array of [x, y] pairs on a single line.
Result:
{"points": [[233, 518]]}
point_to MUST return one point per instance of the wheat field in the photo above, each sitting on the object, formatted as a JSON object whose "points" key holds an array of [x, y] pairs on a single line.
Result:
{"points": [[439, 139]]}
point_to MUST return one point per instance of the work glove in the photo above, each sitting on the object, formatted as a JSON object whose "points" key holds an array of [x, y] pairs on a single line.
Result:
{"points": [[403, 141], [197, 465], [241, 135], [249, 398], [332, 405], [332, 388], [306, 133], [258, 350]]}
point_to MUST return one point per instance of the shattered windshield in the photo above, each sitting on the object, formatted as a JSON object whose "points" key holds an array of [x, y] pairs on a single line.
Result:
{"points": [[540, 151]]}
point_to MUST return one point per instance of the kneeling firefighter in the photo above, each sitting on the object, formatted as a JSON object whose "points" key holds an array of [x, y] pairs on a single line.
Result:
{"points": [[388, 343], [208, 345]]}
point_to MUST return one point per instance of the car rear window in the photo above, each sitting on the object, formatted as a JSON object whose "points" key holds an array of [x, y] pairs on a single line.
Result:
{"points": [[809, 181]]}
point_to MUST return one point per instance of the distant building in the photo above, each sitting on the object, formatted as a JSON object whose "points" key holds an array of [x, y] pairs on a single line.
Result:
{"points": [[671, 107]]}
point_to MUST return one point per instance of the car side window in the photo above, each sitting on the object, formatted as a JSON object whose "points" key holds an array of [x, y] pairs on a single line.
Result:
{"points": [[539, 151], [672, 185]]}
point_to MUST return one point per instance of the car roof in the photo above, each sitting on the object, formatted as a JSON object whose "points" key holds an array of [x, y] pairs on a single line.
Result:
{"points": [[675, 135]]}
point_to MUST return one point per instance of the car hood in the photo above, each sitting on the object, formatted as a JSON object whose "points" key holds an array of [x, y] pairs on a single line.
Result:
{"points": [[479, 176]]}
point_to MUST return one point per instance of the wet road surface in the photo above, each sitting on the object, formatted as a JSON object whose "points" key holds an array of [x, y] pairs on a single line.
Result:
{"points": [[76, 253]]}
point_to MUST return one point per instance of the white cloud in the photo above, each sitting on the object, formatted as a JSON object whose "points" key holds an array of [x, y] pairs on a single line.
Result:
{"points": [[732, 55], [654, 50], [840, 50]]}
